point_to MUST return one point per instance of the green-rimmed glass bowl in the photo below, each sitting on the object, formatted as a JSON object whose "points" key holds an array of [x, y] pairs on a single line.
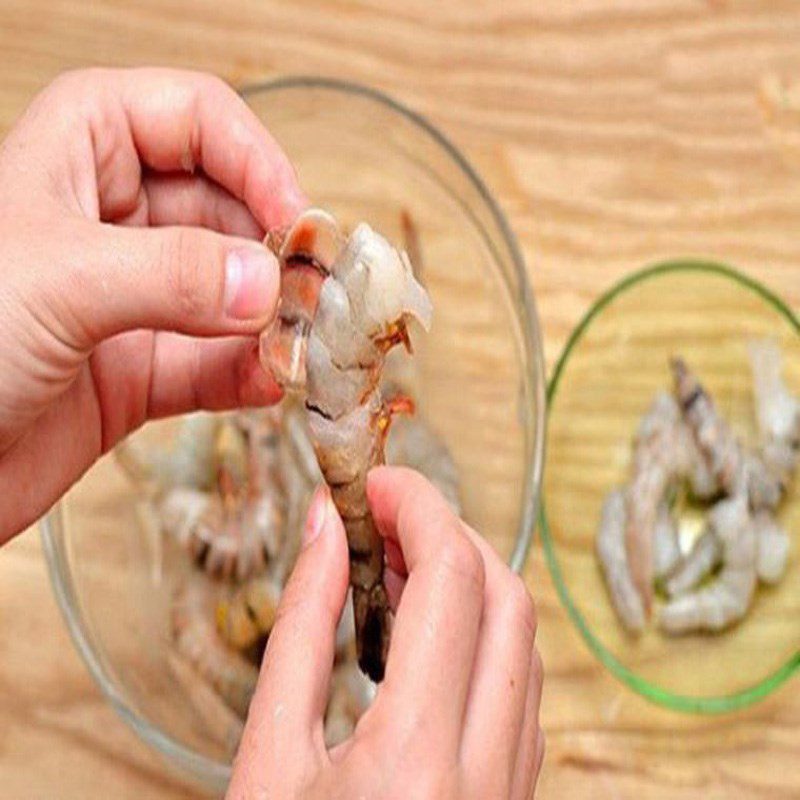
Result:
{"points": [[613, 364]]}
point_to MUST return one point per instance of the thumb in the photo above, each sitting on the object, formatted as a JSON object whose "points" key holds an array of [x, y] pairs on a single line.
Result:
{"points": [[189, 280], [295, 675]]}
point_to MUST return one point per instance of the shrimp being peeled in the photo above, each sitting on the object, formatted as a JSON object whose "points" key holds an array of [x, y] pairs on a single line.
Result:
{"points": [[344, 303]]}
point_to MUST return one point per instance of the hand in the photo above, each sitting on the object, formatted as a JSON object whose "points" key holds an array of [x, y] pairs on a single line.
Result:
{"points": [[457, 714], [95, 180]]}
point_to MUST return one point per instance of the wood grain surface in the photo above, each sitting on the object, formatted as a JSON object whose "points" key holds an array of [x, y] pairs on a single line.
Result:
{"points": [[613, 134]]}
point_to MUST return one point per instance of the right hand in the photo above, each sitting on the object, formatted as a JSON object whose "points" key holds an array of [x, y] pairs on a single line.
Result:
{"points": [[457, 714]]}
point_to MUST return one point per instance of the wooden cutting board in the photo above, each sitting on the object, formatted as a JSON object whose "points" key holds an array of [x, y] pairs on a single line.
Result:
{"points": [[613, 134]]}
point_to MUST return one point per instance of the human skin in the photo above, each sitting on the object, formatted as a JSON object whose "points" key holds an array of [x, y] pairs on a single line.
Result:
{"points": [[132, 278], [132, 286], [457, 715]]}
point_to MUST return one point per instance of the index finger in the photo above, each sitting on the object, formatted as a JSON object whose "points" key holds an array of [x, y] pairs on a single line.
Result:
{"points": [[181, 120], [436, 630]]}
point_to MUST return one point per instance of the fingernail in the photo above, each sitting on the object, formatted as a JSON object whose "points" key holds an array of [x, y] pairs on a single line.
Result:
{"points": [[317, 514], [250, 280]]}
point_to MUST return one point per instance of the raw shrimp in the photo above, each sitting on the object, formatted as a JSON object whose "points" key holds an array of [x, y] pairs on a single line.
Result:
{"points": [[249, 613], [196, 638], [218, 717], [666, 549], [610, 545], [657, 462], [773, 548], [777, 415], [726, 599], [730, 464], [699, 562], [190, 461], [235, 531], [412, 443], [342, 308]]}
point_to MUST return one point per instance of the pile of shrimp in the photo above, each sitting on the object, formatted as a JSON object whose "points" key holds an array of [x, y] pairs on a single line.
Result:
{"points": [[684, 444], [232, 491]]}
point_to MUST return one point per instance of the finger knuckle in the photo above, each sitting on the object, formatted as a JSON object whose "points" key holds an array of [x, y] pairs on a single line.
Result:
{"points": [[459, 556], [73, 80], [213, 84]]}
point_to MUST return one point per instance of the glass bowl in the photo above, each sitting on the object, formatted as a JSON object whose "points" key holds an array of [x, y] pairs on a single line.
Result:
{"points": [[479, 376], [613, 364]]}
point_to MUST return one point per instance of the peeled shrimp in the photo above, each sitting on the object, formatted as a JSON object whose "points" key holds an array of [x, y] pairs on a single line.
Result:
{"points": [[777, 415], [726, 599], [344, 304], [773, 548], [698, 563], [196, 638], [613, 558], [730, 464], [666, 549], [657, 461]]}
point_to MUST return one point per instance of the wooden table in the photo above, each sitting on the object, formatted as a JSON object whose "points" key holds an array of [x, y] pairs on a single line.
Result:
{"points": [[613, 133]]}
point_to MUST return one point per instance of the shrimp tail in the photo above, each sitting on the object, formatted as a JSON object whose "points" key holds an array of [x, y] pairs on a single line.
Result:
{"points": [[373, 629]]}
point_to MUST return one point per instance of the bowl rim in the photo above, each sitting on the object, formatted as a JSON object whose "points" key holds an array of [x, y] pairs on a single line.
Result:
{"points": [[217, 773], [675, 701]]}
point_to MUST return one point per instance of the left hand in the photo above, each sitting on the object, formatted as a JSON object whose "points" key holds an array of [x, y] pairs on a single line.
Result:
{"points": [[114, 298]]}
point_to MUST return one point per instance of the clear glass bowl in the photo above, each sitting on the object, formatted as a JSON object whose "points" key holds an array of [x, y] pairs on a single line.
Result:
{"points": [[613, 364], [480, 384]]}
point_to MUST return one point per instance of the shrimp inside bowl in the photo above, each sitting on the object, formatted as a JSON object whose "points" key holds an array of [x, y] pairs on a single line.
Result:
{"points": [[671, 514]]}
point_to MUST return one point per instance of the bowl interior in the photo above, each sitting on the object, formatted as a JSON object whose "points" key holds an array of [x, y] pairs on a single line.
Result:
{"points": [[613, 365], [477, 378]]}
